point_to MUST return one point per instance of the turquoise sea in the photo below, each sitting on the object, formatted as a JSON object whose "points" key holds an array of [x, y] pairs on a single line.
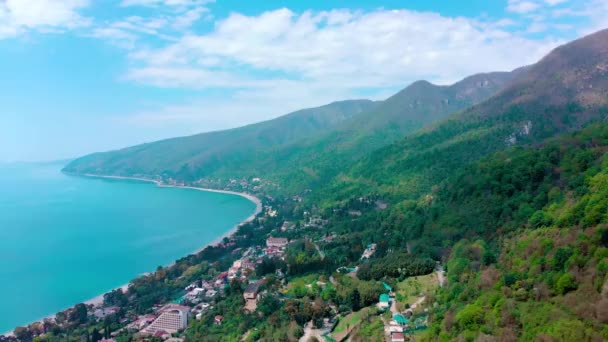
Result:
{"points": [[65, 239]]}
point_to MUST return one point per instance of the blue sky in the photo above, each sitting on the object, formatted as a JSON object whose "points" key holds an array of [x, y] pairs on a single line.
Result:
{"points": [[80, 76]]}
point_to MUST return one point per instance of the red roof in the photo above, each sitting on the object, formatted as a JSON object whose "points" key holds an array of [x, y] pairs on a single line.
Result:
{"points": [[160, 333], [398, 335]]}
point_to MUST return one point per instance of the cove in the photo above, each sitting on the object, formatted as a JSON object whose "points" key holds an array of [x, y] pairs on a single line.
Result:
{"points": [[66, 239]]}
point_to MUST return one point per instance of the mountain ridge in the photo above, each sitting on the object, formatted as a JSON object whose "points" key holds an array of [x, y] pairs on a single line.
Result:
{"points": [[545, 99], [367, 126]]}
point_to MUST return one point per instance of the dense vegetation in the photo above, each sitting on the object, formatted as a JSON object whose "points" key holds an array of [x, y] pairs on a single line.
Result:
{"points": [[531, 258]]}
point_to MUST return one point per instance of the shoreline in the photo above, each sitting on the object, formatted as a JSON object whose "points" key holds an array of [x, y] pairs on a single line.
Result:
{"points": [[99, 299]]}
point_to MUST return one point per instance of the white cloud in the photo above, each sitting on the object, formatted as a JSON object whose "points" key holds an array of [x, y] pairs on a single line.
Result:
{"points": [[522, 6], [340, 48], [154, 3], [597, 12], [18, 16], [187, 19], [555, 2]]}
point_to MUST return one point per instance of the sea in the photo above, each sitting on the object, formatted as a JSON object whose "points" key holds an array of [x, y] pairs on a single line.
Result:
{"points": [[67, 239]]}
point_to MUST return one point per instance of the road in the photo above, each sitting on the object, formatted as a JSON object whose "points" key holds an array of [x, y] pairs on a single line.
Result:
{"points": [[440, 275]]}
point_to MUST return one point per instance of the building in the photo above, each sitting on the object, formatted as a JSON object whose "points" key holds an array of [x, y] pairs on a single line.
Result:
{"points": [[397, 337], [369, 251], [104, 312], [172, 319], [276, 242], [218, 319], [251, 292], [287, 226], [384, 302], [251, 296], [174, 339], [400, 319]]}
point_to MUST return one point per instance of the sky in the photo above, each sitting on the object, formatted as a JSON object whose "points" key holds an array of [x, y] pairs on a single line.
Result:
{"points": [[81, 76]]}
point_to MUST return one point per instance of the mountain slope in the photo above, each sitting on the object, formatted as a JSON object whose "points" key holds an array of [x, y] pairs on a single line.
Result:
{"points": [[210, 151], [302, 148], [527, 234], [421, 103], [563, 92]]}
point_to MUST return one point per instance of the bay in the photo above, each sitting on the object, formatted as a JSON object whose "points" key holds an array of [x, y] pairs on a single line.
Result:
{"points": [[65, 239]]}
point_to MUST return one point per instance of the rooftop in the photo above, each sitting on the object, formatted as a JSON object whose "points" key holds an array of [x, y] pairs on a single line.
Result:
{"points": [[252, 288], [399, 318]]}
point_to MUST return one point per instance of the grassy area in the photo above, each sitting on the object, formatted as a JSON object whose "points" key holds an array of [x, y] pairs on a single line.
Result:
{"points": [[351, 320], [297, 287], [409, 290]]}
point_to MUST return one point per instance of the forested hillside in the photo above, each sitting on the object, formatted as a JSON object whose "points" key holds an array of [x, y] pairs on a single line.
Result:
{"points": [[208, 152], [532, 257], [302, 149], [563, 92]]}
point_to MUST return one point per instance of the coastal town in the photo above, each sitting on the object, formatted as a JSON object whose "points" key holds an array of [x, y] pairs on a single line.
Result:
{"points": [[271, 260]]}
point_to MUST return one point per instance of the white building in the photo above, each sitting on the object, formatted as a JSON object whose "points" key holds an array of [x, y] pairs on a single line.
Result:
{"points": [[277, 242], [172, 319]]}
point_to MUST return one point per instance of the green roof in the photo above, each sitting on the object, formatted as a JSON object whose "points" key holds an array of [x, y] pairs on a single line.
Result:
{"points": [[387, 287], [385, 298], [399, 318]]}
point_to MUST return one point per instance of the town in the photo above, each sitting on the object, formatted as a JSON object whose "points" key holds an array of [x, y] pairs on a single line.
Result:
{"points": [[290, 255]]}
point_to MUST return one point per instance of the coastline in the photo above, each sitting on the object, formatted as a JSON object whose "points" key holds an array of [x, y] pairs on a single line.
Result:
{"points": [[99, 299]]}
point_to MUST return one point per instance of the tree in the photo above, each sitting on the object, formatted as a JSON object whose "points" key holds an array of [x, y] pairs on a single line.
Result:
{"points": [[470, 317], [355, 300], [95, 335], [78, 314], [23, 334], [566, 283]]}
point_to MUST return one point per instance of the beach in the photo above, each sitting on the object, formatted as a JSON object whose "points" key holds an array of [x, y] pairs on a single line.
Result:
{"points": [[99, 299]]}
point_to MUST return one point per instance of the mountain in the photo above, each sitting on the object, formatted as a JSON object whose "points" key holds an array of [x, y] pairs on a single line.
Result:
{"points": [[302, 148], [563, 92], [320, 160], [210, 151]]}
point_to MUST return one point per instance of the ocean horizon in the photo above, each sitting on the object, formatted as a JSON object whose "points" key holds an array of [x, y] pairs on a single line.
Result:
{"points": [[67, 239]]}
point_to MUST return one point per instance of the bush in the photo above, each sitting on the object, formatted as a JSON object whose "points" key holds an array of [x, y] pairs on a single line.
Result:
{"points": [[566, 283], [470, 317]]}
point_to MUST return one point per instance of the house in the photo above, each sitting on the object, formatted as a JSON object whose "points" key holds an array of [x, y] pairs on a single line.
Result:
{"points": [[251, 296], [397, 337], [273, 251], [355, 213], [369, 251], [287, 226], [251, 292], [206, 285], [276, 242], [218, 319], [104, 312], [384, 302], [394, 327], [248, 265], [400, 319]]}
